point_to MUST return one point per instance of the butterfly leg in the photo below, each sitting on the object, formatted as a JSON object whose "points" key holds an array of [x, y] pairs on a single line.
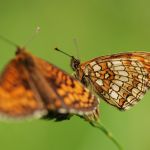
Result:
{"points": [[57, 116]]}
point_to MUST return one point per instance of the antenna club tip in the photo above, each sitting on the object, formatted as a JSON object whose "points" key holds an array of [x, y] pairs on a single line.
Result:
{"points": [[56, 48], [38, 28]]}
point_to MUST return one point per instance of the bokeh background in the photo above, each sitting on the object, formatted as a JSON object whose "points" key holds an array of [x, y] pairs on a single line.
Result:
{"points": [[101, 27]]}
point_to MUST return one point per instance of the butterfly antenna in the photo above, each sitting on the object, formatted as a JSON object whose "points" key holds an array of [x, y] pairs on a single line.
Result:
{"points": [[8, 41], [57, 49], [101, 127], [77, 47], [32, 36]]}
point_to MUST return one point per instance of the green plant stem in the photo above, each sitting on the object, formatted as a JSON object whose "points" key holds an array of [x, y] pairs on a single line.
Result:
{"points": [[100, 126]]}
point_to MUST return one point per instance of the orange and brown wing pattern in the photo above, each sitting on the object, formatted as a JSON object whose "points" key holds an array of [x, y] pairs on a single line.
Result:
{"points": [[121, 79], [29, 86], [17, 99], [73, 97]]}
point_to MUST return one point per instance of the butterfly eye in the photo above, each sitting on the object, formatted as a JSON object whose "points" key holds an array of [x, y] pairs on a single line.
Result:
{"points": [[74, 63]]}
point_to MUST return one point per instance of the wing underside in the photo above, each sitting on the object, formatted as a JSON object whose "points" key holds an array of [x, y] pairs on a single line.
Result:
{"points": [[123, 79]]}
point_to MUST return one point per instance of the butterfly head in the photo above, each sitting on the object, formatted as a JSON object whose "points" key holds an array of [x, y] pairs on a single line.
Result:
{"points": [[75, 63], [19, 50], [24, 57], [80, 74]]}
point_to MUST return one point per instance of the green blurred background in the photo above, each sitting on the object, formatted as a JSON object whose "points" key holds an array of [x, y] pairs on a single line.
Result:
{"points": [[101, 27]]}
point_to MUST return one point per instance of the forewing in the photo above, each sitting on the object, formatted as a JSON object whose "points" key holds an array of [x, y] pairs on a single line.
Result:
{"points": [[72, 96], [122, 79], [17, 99]]}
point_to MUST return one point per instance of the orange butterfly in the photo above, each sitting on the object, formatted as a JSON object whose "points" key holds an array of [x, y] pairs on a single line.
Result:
{"points": [[120, 79], [32, 87]]}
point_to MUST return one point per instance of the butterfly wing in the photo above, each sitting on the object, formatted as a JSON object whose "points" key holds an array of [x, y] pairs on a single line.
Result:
{"points": [[121, 79], [72, 96], [17, 99]]}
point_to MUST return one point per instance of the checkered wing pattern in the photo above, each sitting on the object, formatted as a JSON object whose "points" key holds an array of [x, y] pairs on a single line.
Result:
{"points": [[121, 79], [17, 99], [30, 86], [71, 96]]}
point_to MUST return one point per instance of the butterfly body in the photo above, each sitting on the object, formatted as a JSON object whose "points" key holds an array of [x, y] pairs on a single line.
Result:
{"points": [[120, 79]]}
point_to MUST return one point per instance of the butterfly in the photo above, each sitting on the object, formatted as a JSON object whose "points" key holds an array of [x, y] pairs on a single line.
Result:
{"points": [[120, 79], [33, 87]]}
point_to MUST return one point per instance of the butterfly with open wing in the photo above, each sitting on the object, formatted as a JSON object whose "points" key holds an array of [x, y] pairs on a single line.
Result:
{"points": [[120, 79], [32, 87]]}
